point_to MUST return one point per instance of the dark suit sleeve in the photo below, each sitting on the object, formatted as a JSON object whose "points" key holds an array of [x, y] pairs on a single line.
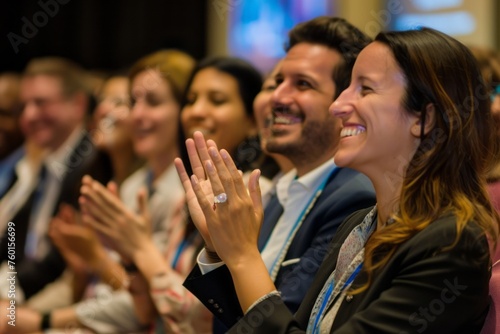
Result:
{"points": [[269, 316], [216, 291]]}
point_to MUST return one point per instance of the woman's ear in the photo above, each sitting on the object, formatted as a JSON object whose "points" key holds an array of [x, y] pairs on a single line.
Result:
{"points": [[427, 118]]}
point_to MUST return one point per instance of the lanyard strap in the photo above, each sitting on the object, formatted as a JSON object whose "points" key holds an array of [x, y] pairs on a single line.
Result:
{"points": [[179, 252], [298, 223], [328, 294]]}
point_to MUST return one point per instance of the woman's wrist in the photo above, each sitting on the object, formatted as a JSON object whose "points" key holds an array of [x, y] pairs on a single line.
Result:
{"points": [[150, 260]]}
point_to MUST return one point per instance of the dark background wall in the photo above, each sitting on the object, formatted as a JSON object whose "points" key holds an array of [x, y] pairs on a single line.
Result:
{"points": [[99, 34]]}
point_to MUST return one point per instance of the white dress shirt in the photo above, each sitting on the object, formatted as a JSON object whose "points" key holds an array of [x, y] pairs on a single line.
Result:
{"points": [[294, 195]]}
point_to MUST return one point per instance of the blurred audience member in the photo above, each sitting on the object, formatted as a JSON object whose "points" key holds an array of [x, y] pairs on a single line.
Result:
{"points": [[55, 99], [111, 133], [11, 136], [489, 64], [219, 102], [157, 83], [111, 128]]}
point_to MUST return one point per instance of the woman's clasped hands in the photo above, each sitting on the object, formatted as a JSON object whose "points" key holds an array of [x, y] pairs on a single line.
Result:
{"points": [[227, 214]]}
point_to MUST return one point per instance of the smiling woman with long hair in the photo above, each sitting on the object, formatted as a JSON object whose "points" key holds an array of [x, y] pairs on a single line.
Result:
{"points": [[417, 261]]}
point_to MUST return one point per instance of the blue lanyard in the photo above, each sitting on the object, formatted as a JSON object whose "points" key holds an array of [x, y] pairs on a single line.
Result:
{"points": [[300, 219], [178, 253], [149, 182], [328, 293], [186, 241]]}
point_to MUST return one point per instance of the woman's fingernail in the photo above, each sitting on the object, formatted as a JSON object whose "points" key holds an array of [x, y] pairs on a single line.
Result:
{"points": [[194, 179], [213, 152], [210, 166]]}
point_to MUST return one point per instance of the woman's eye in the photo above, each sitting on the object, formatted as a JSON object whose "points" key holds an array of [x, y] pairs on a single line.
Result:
{"points": [[269, 87], [218, 102], [304, 84], [190, 101], [153, 100], [365, 90]]}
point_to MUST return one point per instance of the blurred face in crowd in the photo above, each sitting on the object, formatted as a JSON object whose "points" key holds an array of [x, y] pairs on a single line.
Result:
{"points": [[302, 128], [377, 131], [262, 108], [111, 115], [48, 116], [154, 114], [214, 107], [10, 109]]}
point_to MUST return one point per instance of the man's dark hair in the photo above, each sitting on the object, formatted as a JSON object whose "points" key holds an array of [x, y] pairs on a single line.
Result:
{"points": [[334, 33]]}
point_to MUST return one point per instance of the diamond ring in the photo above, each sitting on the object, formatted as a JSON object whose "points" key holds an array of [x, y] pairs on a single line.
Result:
{"points": [[221, 198]]}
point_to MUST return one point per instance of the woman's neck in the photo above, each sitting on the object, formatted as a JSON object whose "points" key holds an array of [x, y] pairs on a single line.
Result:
{"points": [[387, 199]]}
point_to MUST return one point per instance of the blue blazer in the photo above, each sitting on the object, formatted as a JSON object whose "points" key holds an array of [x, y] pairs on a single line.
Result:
{"points": [[346, 191]]}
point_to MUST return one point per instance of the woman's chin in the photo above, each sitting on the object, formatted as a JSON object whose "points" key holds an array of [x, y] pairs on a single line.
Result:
{"points": [[343, 159]]}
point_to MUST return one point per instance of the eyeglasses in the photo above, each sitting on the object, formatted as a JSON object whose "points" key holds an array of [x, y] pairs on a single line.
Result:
{"points": [[495, 91]]}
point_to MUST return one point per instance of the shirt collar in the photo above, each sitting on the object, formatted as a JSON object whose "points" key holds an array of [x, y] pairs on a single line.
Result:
{"points": [[57, 161], [309, 181]]}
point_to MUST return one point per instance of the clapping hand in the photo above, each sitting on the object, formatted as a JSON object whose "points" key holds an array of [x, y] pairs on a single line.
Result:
{"points": [[106, 213], [230, 227]]}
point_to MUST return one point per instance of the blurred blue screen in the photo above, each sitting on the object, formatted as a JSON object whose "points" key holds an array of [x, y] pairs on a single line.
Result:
{"points": [[258, 28]]}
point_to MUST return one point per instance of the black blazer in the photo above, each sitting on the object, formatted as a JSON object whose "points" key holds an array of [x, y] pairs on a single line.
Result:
{"points": [[345, 192], [422, 289], [33, 275]]}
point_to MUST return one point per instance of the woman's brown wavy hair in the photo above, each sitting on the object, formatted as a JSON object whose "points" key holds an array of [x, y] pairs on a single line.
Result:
{"points": [[447, 174]]}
